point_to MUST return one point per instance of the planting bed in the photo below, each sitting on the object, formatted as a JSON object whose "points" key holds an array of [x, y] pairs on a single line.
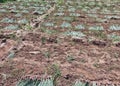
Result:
{"points": [[81, 37]]}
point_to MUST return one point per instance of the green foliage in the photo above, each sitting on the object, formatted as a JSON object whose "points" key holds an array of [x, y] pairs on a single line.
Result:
{"points": [[59, 14], [2, 10], [8, 20], [79, 83], [47, 54], [79, 27], [12, 27], [72, 9], [43, 82], [30, 82], [18, 15], [115, 27], [23, 21], [68, 18], [96, 65], [75, 34], [96, 28], [2, 1], [11, 55], [59, 2], [66, 25], [70, 58], [49, 24], [114, 37], [75, 14], [43, 40], [99, 34], [50, 82], [28, 27], [56, 73]]}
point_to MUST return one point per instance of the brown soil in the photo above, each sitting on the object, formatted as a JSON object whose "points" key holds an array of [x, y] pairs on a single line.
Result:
{"points": [[91, 62], [36, 51]]}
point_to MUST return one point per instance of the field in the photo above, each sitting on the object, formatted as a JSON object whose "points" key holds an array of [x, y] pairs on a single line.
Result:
{"points": [[68, 40]]}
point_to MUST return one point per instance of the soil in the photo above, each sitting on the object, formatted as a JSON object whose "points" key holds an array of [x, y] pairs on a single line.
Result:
{"points": [[91, 62], [36, 51]]}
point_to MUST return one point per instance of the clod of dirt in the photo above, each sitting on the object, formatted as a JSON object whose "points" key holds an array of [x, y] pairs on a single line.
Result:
{"points": [[52, 39], [112, 18], [117, 44], [80, 40], [34, 23], [106, 21], [82, 17], [4, 36], [3, 41], [99, 43], [68, 76]]}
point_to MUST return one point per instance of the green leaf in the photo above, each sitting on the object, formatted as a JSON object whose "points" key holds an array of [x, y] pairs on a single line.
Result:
{"points": [[49, 24], [71, 9], [59, 14], [75, 14], [25, 11], [18, 15], [66, 25], [68, 18], [23, 21], [79, 27], [29, 82], [75, 34], [115, 27], [7, 20], [2, 10], [11, 55], [96, 28], [114, 37], [78, 83], [12, 27]]}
